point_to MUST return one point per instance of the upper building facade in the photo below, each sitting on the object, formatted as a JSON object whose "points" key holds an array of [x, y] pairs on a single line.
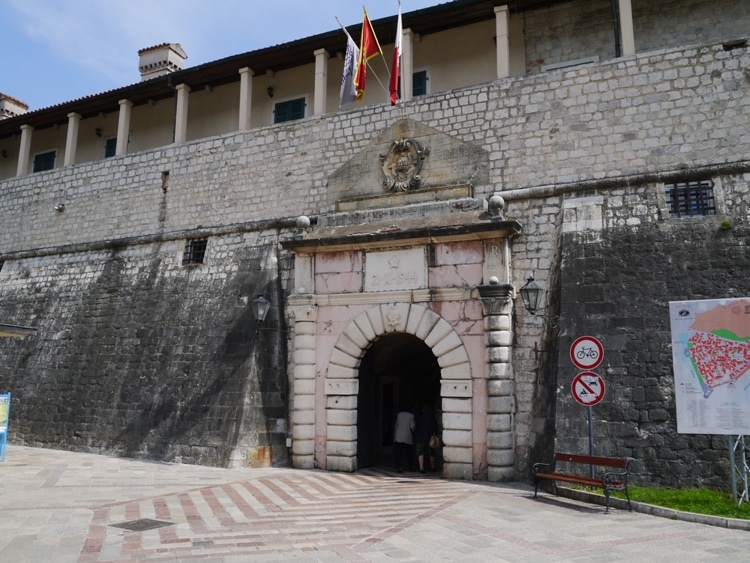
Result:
{"points": [[558, 140], [452, 45]]}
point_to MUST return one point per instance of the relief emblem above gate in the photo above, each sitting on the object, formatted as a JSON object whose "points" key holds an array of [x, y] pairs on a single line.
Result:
{"points": [[402, 165], [408, 162]]}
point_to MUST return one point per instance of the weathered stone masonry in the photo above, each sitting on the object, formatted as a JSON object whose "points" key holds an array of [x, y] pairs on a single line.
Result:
{"points": [[137, 354]]}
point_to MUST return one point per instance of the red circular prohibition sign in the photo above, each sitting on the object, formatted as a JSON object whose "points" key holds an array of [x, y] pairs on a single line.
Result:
{"points": [[586, 352], [588, 388]]}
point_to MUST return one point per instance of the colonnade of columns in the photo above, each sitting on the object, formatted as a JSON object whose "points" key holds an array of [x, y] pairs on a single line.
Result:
{"points": [[503, 53]]}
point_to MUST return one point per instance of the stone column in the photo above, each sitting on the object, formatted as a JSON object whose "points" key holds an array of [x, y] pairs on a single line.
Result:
{"points": [[497, 308], [246, 97], [341, 424], [627, 35], [181, 113], [123, 127], [303, 382], [407, 65], [502, 39], [321, 82], [24, 150], [71, 140]]}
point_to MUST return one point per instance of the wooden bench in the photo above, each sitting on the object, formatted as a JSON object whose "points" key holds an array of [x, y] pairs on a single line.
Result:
{"points": [[608, 480]]}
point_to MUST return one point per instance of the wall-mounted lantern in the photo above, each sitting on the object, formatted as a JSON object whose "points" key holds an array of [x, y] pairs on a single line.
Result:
{"points": [[260, 307], [531, 294]]}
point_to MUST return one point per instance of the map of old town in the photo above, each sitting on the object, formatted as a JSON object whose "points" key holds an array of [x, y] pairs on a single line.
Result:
{"points": [[711, 355]]}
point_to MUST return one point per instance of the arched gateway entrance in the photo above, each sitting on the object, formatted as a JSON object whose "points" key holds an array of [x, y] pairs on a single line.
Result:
{"points": [[404, 319], [402, 294], [398, 372]]}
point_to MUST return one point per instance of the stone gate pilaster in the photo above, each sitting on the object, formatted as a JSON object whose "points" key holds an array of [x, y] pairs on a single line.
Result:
{"points": [[303, 383], [498, 327]]}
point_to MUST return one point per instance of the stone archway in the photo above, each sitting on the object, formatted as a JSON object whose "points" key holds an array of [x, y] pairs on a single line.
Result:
{"points": [[442, 280], [341, 384], [397, 372]]}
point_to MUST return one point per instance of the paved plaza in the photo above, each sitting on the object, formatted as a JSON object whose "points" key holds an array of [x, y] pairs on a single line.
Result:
{"points": [[62, 506]]}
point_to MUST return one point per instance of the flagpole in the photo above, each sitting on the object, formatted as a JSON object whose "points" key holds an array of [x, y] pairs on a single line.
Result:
{"points": [[387, 69], [378, 78], [342, 27]]}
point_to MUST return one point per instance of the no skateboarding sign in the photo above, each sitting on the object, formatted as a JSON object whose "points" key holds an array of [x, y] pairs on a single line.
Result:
{"points": [[588, 388]]}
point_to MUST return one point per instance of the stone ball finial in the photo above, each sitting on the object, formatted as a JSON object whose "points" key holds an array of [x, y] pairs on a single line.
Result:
{"points": [[303, 221], [496, 203], [493, 280]]}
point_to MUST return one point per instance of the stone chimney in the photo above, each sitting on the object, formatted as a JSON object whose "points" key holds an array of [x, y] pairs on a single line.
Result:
{"points": [[10, 107], [160, 60]]}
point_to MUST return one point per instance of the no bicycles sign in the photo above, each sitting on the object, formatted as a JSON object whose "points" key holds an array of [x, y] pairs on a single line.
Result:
{"points": [[586, 352]]}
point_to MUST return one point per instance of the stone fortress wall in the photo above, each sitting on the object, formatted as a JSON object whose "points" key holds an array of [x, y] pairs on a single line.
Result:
{"points": [[580, 156]]}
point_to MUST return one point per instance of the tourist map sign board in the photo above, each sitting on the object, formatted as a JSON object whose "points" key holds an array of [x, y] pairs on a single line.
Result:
{"points": [[586, 352], [4, 420], [588, 388], [711, 362]]}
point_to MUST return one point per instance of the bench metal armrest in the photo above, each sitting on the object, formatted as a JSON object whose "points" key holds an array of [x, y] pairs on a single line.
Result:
{"points": [[543, 468], [610, 476]]}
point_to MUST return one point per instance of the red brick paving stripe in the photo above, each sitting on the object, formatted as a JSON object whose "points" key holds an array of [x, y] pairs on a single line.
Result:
{"points": [[193, 517], [219, 510], [92, 545], [239, 501], [298, 489], [132, 511], [258, 495], [161, 509], [275, 486]]}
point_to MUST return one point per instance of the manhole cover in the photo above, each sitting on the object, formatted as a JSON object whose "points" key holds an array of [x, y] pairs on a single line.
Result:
{"points": [[142, 525]]}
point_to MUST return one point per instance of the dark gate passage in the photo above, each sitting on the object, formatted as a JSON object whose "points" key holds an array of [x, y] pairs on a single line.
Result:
{"points": [[398, 371]]}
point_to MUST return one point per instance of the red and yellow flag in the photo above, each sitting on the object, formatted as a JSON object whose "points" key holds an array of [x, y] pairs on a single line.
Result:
{"points": [[368, 48]]}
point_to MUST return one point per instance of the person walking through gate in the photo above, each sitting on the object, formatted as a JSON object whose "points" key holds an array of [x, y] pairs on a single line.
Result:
{"points": [[426, 427], [403, 439]]}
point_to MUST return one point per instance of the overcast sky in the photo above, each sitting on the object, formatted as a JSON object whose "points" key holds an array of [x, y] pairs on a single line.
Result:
{"points": [[54, 51]]}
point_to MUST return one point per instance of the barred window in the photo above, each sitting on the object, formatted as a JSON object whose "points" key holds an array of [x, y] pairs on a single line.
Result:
{"points": [[690, 199], [195, 251]]}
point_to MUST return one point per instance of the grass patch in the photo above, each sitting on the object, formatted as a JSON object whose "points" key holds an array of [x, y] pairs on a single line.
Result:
{"points": [[699, 501]]}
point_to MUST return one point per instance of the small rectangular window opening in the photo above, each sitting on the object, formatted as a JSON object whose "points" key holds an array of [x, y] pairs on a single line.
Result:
{"points": [[691, 199], [44, 161], [195, 251], [289, 110], [419, 83], [110, 147], [164, 181]]}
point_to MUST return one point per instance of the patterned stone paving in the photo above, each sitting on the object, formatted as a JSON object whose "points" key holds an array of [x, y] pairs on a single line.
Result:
{"points": [[297, 512], [66, 507]]}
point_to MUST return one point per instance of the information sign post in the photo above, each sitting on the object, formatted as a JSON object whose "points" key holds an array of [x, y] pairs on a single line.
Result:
{"points": [[4, 420], [587, 353]]}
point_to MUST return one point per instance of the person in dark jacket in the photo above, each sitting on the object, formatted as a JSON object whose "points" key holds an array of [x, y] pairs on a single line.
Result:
{"points": [[426, 427]]}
